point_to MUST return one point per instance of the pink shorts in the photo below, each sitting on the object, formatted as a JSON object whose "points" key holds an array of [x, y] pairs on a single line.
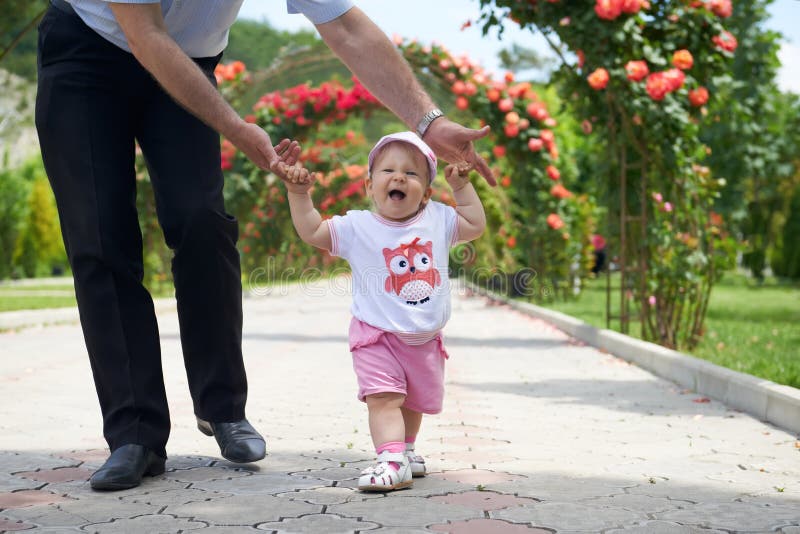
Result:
{"points": [[383, 363]]}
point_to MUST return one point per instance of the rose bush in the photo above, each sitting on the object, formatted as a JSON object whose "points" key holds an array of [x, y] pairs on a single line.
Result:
{"points": [[641, 78]]}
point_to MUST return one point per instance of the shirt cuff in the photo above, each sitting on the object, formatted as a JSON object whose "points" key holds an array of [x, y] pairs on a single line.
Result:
{"points": [[334, 238], [319, 11]]}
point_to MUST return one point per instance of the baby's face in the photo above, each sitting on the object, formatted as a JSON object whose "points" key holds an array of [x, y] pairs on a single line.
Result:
{"points": [[398, 184]]}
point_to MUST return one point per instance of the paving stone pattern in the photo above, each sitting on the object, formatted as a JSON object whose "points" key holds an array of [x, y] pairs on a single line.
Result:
{"points": [[539, 434]]}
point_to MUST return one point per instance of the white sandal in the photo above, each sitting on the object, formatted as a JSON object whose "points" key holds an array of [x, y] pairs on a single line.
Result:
{"points": [[384, 477], [416, 462]]}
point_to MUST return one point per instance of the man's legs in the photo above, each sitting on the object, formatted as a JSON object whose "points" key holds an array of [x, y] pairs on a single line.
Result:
{"points": [[183, 157], [85, 107]]}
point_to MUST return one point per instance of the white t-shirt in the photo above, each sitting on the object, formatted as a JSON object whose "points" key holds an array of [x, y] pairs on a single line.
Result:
{"points": [[400, 269]]}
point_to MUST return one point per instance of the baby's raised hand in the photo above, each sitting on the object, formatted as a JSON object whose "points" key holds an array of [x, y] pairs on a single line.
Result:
{"points": [[457, 175], [296, 177]]}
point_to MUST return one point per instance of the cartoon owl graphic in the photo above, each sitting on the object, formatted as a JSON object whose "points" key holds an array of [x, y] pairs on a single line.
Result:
{"points": [[411, 272]]}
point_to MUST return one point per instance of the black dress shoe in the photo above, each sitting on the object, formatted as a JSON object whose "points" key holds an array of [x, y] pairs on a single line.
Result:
{"points": [[125, 468], [238, 441]]}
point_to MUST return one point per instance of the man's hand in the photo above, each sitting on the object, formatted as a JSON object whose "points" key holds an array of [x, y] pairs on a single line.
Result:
{"points": [[453, 143], [370, 55], [255, 143]]}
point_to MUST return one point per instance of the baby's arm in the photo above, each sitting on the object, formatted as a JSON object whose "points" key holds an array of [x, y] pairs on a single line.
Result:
{"points": [[471, 218], [306, 219]]}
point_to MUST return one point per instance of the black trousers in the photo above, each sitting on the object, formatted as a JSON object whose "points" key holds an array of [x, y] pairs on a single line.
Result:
{"points": [[94, 102]]}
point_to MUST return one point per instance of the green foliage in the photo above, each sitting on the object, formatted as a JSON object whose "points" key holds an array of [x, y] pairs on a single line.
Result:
{"points": [[517, 58], [39, 248], [279, 59], [18, 37], [649, 125], [786, 253], [258, 44], [15, 185], [753, 136], [537, 231]]}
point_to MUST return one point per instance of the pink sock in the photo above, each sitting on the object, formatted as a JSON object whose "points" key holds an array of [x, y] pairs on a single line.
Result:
{"points": [[392, 446], [411, 439]]}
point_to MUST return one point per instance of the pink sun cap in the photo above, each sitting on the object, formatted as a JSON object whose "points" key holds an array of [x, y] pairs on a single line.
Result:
{"points": [[412, 139]]}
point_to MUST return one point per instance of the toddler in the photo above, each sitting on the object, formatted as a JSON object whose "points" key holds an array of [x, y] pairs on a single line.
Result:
{"points": [[398, 254]]}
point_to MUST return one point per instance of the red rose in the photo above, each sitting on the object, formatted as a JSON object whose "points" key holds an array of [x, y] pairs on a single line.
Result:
{"points": [[512, 242], [459, 87], [511, 130], [657, 86], [721, 8], [553, 173], [631, 7], [512, 117], [506, 181], [683, 59], [499, 151], [559, 191], [698, 97], [598, 79], [462, 102], [547, 136], [725, 41], [493, 95], [554, 221], [637, 70], [537, 111], [608, 9], [675, 79], [505, 105], [581, 58], [535, 144]]}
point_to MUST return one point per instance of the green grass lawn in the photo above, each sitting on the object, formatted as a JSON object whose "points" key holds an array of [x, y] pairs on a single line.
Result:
{"points": [[51, 295], [750, 328], [36, 297]]}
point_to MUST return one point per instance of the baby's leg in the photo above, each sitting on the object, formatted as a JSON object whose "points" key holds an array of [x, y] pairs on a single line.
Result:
{"points": [[393, 470], [386, 418], [412, 421]]}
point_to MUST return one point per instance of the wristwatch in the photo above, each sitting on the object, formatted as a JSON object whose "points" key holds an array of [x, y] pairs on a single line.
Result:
{"points": [[427, 119]]}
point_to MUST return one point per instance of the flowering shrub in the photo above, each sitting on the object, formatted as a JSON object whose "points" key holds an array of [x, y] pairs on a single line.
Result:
{"points": [[642, 76], [525, 155], [317, 117]]}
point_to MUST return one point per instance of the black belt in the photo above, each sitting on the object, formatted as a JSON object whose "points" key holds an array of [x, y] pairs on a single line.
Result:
{"points": [[63, 5]]}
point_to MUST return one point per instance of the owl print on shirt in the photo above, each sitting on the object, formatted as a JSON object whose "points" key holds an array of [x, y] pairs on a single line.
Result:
{"points": [[412, 275]]}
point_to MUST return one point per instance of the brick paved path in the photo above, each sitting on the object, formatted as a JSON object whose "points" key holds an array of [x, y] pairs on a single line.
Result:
{"points": [[539, 434]]}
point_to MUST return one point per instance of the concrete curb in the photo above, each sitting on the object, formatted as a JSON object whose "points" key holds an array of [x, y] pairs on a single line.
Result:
{"points": [[775, 403], [15, 320]]}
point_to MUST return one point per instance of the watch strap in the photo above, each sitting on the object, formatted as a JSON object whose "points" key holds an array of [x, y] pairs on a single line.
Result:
{"points": [[427, 119]]}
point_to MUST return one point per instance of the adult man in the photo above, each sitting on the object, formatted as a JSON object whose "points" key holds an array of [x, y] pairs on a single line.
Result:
{"points": [[110, 73]]}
